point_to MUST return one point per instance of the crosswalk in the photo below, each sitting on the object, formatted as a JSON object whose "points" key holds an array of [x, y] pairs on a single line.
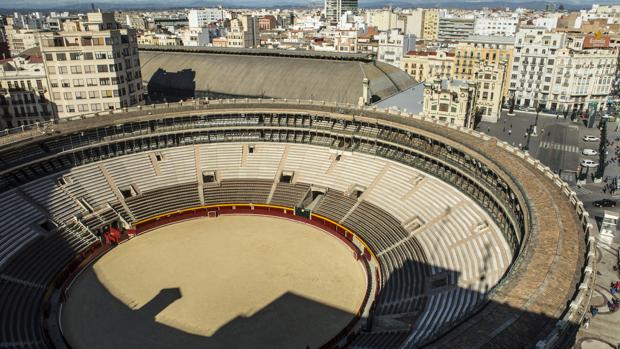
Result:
{"points": [[581, 190], [558, 146]]}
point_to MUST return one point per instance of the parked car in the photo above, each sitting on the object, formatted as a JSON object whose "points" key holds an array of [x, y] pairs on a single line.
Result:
{"points": [[588, 163], [604, 203], [591, 138], [589, 152]]}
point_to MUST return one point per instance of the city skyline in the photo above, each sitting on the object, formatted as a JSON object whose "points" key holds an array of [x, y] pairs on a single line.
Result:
{"points": [[159, 4]]}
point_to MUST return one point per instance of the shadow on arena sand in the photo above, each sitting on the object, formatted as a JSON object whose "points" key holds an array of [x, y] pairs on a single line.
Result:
{"points": [[115, 325]]}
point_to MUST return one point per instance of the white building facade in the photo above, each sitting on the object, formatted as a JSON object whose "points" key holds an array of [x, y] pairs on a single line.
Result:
{"points": [[489, 25], [393, 46], [198, 18], [534, 66]]}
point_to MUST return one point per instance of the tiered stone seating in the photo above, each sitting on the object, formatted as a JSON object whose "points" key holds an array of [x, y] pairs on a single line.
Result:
{"points": [[335, 205], [88, 183], [453, 238], [48, 194], [472, 257], [405, 273], [164, 199], [243, 191], [23, 283], [387, 340], [133, 169], [16, 217], [287, 194], [385, 230]]}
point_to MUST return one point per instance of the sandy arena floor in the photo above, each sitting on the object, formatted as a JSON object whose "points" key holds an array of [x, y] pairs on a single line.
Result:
{"points": [[226, 282]]}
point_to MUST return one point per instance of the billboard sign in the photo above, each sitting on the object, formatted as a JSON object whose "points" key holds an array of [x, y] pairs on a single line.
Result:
{"points": [[596, 41]]}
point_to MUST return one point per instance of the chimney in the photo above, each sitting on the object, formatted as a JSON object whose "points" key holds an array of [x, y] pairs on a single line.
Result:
{"points": [[366, 91]]}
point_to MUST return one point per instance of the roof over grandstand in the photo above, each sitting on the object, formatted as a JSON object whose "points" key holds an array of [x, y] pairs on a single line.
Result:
{"points": [[186, 73]]}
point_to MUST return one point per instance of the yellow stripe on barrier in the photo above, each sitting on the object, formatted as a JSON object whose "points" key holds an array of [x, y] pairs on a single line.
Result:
{"points": [[206, 207], [350, 232], [258, 205]]}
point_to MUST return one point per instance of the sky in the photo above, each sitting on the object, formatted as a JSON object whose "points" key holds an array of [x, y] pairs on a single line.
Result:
{"points": [[60, 4]]}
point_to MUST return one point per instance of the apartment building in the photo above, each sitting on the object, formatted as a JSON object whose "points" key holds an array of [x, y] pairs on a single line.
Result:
{"points": [[92, 65], [243, 33], [478, 51], [430, 25], [199, 18], [534, 66], [191, 36], [24, 97], [454, 29], [490, 81], [583, 75], [496, 25], [19, 39], [393, 45], [414, 23], [158, 39], [428, 65], [334, 9]]}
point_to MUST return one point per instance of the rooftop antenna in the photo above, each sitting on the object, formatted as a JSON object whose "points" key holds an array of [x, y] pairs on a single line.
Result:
{"points": [[92, 6]]}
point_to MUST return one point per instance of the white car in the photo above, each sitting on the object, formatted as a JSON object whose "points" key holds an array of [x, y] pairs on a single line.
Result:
{"points": [[589, 152], [588, 163], [591, 138]]}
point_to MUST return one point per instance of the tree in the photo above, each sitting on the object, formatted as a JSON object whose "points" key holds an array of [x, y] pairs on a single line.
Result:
{"points": [[602, 150]]}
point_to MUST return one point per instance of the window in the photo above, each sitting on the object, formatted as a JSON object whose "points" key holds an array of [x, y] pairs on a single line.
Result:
{"points": [[95, 107], [54, 83], [100, 55], [67, 95], [56, 96], [62, 70], [65, 83], [104, 81], [93, 94], [106, 94], [51, 70], [88, 69], [83, 107], [80, 95], [78, 82], [70, 109], [76, 69], [88, 56], [49, 57], [91, 82], [61, 56], [102, 68], [75, 56]]}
